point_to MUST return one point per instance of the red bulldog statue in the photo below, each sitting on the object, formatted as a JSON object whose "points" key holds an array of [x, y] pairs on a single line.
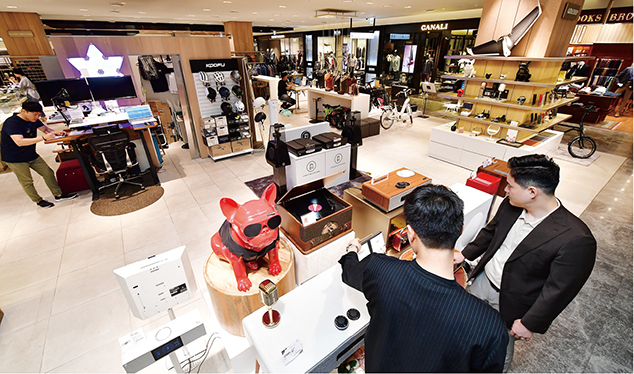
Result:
{"points": [[248, 234]]}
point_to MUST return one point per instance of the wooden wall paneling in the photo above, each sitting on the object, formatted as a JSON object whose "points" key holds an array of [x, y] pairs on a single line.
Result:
{"points": [[616, 33], [37, 45], [241, 35]]}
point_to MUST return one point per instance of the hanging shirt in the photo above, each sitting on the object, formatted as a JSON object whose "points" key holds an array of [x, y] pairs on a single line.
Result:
{"points": [[395, 64], [26, 87], [171, 82]]}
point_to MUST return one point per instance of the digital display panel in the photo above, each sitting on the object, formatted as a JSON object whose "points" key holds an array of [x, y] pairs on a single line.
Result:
{"points": [[167, 348]]}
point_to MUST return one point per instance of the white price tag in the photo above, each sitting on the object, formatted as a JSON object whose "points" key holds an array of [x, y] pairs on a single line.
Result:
{"points": [[292, 351]]}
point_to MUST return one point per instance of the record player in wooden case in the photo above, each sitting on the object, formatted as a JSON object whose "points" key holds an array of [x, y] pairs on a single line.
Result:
{"points": [[312, 216], [388, 192]]}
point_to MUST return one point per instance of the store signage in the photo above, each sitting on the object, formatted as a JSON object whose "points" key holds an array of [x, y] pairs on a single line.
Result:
{"points": [[95, 64], [434, 26], [362, 35], [617, 15], [213, 65], [571, 11], [399, 36], [20, 34]]}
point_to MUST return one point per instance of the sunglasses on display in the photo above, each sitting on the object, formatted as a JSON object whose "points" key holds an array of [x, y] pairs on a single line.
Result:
{"points": [[254, 229]]}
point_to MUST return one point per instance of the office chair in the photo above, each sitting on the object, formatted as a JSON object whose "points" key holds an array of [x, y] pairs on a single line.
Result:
{"points": [[114, 155]]}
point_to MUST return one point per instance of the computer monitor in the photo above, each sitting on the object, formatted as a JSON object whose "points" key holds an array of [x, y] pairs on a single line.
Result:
{"points": [[76, 88], [111, 88]]}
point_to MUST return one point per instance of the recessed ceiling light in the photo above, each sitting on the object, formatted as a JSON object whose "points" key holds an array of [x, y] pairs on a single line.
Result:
{"points": [[234, 11], [12, 7], [206, 10], [83, 10], [254, 13], [271, 19], [192, 15], [295, 15], [276, 14], [89, 19], [303, 21], [346, 1], [407, 7], [282, 6], [430, 10], [362, 13], [370, 3], [86, 15], [227, 2], [142, 12], [234, 17]]}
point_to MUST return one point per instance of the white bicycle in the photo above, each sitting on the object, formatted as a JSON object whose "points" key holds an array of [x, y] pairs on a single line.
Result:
{"points": [[391, 112]]}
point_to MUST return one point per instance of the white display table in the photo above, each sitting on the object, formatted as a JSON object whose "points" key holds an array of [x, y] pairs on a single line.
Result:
{"points": [[273, 82], [311, 264], [469, 151], [476, 212], [308, 314], [360, 102]]}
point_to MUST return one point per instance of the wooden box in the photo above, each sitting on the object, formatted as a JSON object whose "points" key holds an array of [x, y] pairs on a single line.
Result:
{"points": [[301, 203], [241, 145], [385, 193], [220, 149]]}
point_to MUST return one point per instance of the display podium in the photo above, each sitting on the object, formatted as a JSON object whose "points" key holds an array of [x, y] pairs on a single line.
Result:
{"points": [[231, 305]]}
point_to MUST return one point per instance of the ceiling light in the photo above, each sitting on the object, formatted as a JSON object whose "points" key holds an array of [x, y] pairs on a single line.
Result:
{"points": [[271, 19], [234, 11], [12, 7], [83, 10], [117, 4], [362, 13], [206, 10], [430, 10], [254, 13], [282, 6], [388, 5], [295, 15], [142, 12], [407, 7], [346, 1], [276, 14], [370, 3], [227, 2], [192, 15]]}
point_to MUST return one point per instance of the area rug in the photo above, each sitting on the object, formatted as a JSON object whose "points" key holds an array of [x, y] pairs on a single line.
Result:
{"points": [[132, 198], [259, 185], [562, 154]]}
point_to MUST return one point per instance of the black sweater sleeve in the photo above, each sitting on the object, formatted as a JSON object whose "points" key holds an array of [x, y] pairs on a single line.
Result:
{"points": [[353, 269]]}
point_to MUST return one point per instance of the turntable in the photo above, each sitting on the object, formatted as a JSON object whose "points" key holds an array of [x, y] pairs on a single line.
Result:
{"points": [[329, 140], [312, 216], [300, 147], [389, 191]]}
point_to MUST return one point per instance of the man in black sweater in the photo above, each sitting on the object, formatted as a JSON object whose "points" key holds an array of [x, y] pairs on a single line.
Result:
{"points": [[421, 319]]}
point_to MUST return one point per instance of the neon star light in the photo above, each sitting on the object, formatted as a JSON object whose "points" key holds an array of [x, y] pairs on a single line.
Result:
{"points": [[95, 64]]}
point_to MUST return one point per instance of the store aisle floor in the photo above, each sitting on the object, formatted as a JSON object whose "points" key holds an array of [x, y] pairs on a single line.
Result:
{"points": [[64, 310]]}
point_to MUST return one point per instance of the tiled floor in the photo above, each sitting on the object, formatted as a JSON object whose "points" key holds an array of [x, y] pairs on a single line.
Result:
{"points": [[64, 310]]}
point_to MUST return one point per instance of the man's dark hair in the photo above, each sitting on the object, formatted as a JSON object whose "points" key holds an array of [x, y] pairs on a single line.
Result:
{"points": [[18, 71], [535, 170], [31, 106], [284, 74], [436, 215]]}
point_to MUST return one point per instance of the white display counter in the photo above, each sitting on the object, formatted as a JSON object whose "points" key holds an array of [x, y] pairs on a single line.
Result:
{"points": [[469, 151], [307, 315], [360, 102], [272, 81]]}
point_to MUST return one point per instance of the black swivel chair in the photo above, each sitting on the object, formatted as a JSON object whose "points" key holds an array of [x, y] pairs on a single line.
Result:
{"points": [[114, 155]]}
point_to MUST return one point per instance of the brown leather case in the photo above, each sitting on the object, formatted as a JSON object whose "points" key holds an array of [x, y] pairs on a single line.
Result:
{"points": [[386, 195]]}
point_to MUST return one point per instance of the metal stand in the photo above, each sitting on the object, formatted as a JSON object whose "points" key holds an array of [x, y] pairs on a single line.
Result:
{"points": [[316, 119], [424, 107]]}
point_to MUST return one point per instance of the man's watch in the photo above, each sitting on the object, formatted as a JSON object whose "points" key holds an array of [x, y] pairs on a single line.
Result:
{"points": [[350, 246]]}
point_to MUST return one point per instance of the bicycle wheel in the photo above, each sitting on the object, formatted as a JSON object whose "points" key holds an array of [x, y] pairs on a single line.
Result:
{"points": [[387, 119], [582, 147]]}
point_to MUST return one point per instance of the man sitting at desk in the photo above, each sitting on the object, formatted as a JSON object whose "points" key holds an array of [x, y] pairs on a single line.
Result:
{"points": [[282, 92], [17, 147], [421, 319]]}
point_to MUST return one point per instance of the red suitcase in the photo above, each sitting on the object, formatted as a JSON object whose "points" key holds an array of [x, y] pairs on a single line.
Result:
{"points": [[70, 177]]}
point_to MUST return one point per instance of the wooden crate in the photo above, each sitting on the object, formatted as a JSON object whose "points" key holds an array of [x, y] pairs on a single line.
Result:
{"points": [[163, 112]]}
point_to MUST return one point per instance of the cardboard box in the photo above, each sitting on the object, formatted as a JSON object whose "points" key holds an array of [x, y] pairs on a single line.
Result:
{"points": [[240, 145], [220, 149]]}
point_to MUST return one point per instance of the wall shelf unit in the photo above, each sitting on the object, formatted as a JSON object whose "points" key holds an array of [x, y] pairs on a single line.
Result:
{"points": [[469, 150]]}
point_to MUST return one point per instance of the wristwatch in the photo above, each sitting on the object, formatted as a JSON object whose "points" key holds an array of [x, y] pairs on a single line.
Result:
{"points": [[350, 246]]}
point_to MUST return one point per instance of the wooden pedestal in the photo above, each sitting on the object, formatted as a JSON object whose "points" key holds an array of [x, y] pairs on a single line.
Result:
{"points": [[231, 305]]}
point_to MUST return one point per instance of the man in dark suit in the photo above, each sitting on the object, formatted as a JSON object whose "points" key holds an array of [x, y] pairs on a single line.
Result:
{"points": [[421, 319], [536, 255]]}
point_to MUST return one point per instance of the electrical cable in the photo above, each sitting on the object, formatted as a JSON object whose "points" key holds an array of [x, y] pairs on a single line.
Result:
{"points": [[203, 354]]}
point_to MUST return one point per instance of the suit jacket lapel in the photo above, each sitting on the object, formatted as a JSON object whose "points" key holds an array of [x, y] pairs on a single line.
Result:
{"points": [[551, 227]]}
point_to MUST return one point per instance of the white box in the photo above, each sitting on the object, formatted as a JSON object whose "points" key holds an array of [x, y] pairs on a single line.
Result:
{"points": [[305, 169], [338, 159], [222, 130]]}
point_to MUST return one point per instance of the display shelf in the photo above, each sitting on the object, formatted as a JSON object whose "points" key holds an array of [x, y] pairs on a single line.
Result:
{"points": [[545, 108], [521, 58], [216, 158], [515, 83], [558, 119]]}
